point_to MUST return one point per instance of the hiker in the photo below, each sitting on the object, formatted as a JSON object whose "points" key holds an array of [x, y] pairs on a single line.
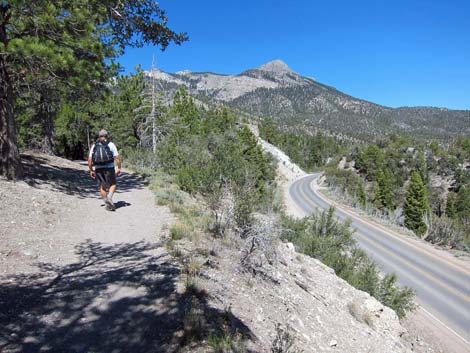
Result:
{"points": [[102, 156]]}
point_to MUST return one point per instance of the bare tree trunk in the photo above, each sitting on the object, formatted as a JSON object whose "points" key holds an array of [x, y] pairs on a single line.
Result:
{"points": [[88, 137], [47, 119], [10, 162]]}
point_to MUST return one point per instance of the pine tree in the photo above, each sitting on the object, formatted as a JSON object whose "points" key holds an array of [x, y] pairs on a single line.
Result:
{"points": [[383, 197], [361, 194], [186, 112], [370, 162], [463, 203], [451, 210], [423, 168], [416, 207], [44, 42]]}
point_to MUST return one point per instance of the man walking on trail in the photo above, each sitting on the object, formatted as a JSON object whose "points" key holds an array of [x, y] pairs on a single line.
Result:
{"points": [[102, 156]]}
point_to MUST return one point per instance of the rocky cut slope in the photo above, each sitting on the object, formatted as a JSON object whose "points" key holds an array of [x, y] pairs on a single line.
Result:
{"points": [[275, 90]]}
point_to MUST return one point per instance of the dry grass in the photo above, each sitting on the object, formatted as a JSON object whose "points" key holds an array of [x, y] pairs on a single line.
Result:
{"points": [[194, 321], [173, 248], [180, 230], [192, 266], [361, 315], [284, 342]]}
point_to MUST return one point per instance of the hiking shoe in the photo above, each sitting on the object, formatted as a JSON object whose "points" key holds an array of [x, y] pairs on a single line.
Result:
{"points": [[110, 205]]}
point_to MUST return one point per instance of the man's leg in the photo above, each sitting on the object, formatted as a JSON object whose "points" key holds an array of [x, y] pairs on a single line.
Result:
{"points": [[111, 179], [103, 191], [102, 181]]}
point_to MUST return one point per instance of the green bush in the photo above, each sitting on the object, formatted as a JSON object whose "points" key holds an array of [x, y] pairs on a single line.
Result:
{"points": [[179, 231], [348, 182], [141, 160], [220, 343], [323, 237], [163, 197], [207, 150], [399, 299]]}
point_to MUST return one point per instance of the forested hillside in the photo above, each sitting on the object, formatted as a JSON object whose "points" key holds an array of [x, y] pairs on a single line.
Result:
{"points": [[425, 188], [421, 184]]}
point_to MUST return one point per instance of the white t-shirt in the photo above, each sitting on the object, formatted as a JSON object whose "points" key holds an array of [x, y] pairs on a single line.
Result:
{"points": [[113, 149]]}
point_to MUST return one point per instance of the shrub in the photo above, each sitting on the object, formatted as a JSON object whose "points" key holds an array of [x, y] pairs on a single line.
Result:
{"points": [[398, 299], [348, 182], [220, 343], [142, 160], [284, 342], [260, 243], [179, 231], [206, 150], [222, 206], [322, 237], [444, 231], [360, 314], [194, 321]]}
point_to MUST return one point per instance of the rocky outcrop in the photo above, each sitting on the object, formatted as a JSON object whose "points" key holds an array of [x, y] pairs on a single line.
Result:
{"points": [[322, 311]]}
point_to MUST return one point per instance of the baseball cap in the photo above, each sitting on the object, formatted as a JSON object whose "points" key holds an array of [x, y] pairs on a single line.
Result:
{"points": [[102, 133]]}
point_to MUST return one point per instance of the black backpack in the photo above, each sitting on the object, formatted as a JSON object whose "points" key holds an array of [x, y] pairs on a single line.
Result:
{"points": [[102, 154]]}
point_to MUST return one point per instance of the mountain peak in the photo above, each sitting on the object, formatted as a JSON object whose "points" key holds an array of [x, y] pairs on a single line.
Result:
{"points": [[276, 66]]}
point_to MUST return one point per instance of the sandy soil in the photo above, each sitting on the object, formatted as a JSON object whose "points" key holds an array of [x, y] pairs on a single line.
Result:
{"points": [[77, 278], [58, 207]]}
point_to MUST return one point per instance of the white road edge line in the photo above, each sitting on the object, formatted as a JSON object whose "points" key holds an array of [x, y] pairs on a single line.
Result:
{"points": [[383, 228], [443, 324], [426, 311]]}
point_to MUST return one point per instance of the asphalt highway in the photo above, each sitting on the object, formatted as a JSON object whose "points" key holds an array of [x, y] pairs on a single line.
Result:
{"points": [[442, 285]]}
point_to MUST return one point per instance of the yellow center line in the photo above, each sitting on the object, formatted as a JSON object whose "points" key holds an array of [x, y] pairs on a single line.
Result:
{"points": [[406, 262], [417, 269], [392, 233]]}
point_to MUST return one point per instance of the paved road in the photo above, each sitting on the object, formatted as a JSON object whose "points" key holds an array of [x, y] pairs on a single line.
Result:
{"points": [[442, 285]]}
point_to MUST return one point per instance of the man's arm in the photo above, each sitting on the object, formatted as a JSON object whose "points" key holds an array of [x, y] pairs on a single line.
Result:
{"points": [[90, 166], [117, 159]]}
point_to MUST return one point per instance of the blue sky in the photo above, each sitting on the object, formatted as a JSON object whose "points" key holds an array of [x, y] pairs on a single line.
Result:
{"points": [[392, 52]]}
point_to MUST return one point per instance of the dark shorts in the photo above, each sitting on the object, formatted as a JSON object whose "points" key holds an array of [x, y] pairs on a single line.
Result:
{"points": [[106, 176]]}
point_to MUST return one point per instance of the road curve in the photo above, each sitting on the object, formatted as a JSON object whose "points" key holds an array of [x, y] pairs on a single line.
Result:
{"points": [[442, 285]]}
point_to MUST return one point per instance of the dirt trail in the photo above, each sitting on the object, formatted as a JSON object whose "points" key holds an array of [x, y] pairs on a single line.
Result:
{"points": [[136, 218], [77, 278]]}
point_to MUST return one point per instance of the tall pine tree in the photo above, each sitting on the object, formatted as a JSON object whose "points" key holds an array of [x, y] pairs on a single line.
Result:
{"points": [[416, 205], [49, 41], [384, 198], [451, 210], [360, 193]]}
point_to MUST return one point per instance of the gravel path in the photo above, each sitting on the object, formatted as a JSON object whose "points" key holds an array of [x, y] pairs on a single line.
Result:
{"points": [[77, 278]]}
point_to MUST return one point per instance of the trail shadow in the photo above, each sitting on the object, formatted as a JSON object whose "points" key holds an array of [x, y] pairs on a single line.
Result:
{"points": [[38, 171], [119, 298]]}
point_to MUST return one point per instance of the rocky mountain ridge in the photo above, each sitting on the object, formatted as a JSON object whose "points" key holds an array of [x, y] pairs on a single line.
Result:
{"points": [[275, 90]]}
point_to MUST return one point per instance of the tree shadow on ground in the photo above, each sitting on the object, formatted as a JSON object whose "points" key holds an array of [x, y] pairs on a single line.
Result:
{"points": [[116, 298], [38, 172]]}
